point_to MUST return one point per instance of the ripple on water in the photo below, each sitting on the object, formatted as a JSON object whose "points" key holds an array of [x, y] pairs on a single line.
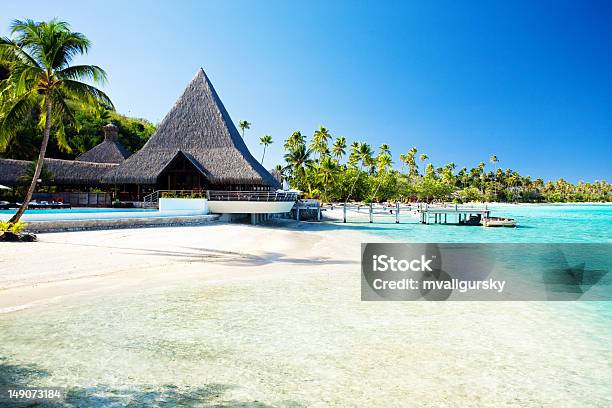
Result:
{"points": [[306, 339]]}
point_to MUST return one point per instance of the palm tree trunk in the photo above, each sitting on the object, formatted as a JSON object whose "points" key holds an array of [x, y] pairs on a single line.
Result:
{"points": [[263, 155], [39, 164], [377, 187], [353, 186]]}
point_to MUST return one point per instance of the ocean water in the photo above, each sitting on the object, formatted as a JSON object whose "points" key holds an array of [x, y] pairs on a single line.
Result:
{"points": [[521, 264], [562, 223], [304, 339]]}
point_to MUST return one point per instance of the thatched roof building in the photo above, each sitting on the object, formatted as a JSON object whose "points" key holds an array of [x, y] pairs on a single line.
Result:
{"points": [[198, 142], [65, 172], [109, 151]]}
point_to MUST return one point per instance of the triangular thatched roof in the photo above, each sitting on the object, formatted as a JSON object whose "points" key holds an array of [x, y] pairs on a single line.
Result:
{"points": [[200, 128], [109, 151]]}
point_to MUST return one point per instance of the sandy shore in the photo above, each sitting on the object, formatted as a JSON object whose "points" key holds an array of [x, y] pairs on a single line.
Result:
{"points": [[64, 265], [237, 315]]}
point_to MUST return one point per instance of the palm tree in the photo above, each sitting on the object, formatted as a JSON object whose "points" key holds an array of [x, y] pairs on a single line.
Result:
{"points": [[403, 159], [367, 158], [326, 173], [265, 141], [413, 168], [39, 57], [294, 140], [298, 160], [281, 171], [363, 155], [339, 147], [493, 159], [383, 162], [244, 125], [353, 158], [384, 149], [319, 141]]}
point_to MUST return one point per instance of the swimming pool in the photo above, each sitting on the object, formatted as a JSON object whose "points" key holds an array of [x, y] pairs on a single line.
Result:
{"points": [[94, 214]]}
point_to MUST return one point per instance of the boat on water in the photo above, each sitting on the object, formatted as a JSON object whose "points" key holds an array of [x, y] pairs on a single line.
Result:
{"points": [[498, 222]]}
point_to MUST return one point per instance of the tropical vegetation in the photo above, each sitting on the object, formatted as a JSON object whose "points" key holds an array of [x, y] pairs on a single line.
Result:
{"points": [[40, 76], [336, 171]]}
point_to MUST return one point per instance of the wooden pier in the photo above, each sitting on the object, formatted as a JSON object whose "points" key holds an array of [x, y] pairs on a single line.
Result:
{"points": [[450, 214], [307, 207]]}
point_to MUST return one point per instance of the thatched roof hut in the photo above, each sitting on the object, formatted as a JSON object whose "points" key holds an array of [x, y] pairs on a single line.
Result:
{"points": [[197, 131], [65, 172], [110, 150]]}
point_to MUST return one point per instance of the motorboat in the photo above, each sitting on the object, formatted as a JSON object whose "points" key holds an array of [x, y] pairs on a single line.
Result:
{"points": [[498, 222]]}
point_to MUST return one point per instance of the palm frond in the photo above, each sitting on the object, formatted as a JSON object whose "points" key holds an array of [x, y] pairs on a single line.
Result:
{"points": [[70, 45], [83, 72], [12, 116], [85, 92], [10, 52]]}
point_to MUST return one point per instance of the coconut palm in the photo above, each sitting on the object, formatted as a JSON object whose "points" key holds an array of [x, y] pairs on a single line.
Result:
{"points": [[244, 125], [413, 168], [298, 160], [353, 158], [326, 172], [403, 158], [294, 140], [38, 55], [319, 141], [339, 147], [494, 160], [265, 141], [384, 149], [363, 155], [384, 163], [280, 169]]}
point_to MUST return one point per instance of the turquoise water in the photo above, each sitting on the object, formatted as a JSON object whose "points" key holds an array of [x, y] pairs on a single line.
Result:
{"points": [[303, 338], [79, 210], [92, 214], [536, 223]]}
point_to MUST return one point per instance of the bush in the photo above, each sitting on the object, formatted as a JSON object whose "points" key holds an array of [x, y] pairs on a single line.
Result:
{"points": [[15, 228]]}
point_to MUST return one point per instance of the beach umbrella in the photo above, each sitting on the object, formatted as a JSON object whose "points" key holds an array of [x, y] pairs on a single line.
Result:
{"points": [[4, 187]]}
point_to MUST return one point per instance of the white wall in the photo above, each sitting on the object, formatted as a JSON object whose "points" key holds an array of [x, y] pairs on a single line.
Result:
{"points": [[195, 205], [250, 207]]}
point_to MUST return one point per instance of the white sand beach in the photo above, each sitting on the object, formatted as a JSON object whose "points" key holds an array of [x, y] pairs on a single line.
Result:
{"points": [[71, 264], [261, 316]]}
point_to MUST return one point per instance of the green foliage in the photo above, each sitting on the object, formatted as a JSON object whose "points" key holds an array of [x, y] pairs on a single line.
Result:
{"points": [[29, 80], [45, 176], [178, 194], [81, 135], [470, 194], [320, 172], [15, 228]]}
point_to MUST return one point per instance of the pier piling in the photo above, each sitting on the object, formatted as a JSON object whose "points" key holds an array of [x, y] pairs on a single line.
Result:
{"points": [[397, 210]]}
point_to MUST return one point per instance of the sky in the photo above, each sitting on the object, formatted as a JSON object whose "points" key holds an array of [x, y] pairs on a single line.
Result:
{"points": [[528, 81]]}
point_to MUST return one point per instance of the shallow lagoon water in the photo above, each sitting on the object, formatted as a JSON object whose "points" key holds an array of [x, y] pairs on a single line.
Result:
{"points": [[305, 339], [562, 223]]}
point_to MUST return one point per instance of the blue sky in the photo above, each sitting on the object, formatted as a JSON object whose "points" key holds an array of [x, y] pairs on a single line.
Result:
{"points": [[528, 81]]}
